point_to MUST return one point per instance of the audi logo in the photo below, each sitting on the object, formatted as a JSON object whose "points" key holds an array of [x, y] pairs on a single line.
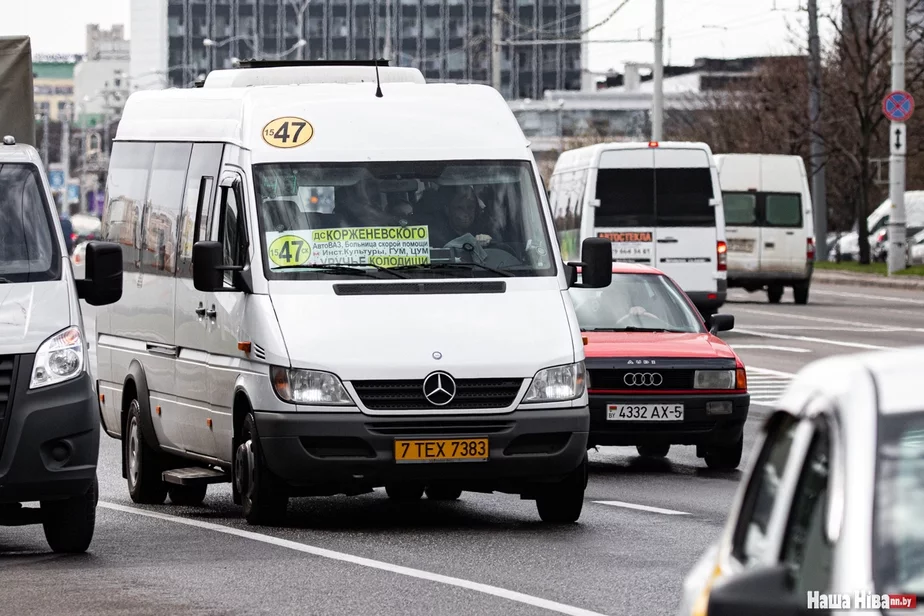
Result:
{"points": [[643, 379]]}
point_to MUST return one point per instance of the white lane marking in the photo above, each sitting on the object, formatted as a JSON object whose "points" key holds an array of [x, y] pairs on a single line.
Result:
{"points": [[612, 503], [858, 324], [875, 329], [766, 386], [487, 589], [854, 345], [770, 347], [880, 298]]}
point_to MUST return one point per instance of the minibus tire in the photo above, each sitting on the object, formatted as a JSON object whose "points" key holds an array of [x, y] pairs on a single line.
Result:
{"points": [[443, 493], [263, 496], [69, 523], [187, 496], [653, 451], [146, 482], [725, 458], [561, 503], [800, 291], [774, 293]]}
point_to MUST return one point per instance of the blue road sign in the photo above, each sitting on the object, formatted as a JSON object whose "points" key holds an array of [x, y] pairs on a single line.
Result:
{"points": [[73, 193], [56, 179], [898, 106]]}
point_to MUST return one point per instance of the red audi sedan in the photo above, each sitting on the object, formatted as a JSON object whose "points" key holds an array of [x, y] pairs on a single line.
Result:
{"points": [[658, 375]]}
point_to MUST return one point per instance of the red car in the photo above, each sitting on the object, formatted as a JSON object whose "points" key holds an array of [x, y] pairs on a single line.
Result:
{"points": [[657, 376]]}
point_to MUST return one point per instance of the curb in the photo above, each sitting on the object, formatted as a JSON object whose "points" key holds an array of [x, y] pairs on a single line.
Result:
{"points": [[911, 283]]}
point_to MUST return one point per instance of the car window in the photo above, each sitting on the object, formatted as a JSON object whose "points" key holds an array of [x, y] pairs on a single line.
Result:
{"points": [[740, 208], [805, 547], [762, 490], [898, 546], [626, 198], [783, 210], [682, 197], [228, 229], [633, 301], [29, 248]]}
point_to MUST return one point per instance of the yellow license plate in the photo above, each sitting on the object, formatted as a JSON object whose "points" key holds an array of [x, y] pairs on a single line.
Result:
{"points": [[441, 450]]}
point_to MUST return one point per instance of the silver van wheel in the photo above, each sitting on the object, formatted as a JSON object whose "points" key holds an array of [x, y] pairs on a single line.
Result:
{"points": [[134, 459], [143, 468]]}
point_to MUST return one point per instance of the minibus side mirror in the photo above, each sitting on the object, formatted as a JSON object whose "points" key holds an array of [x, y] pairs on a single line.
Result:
{"points": [[102, 283], [209, 268], [596, 264]]}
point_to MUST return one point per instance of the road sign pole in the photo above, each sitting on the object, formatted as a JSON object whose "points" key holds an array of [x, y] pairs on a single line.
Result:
{"points": [[896, 227]]}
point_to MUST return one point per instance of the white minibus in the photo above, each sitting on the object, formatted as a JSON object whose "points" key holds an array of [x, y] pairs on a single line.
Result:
{"points": [[335, 287]]}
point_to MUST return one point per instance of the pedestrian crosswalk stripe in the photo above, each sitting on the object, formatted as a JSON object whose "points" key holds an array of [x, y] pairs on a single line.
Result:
{"points": [[767, 386]]}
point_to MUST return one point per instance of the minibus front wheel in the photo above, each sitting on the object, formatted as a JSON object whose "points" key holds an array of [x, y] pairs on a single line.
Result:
{"points": [[263, 496]]}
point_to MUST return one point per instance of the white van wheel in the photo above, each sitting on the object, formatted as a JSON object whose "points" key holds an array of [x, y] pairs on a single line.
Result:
{"points": [[143, 472], [69, 524], [774, 293], [561, 503], [263, 495], [800, 292]]}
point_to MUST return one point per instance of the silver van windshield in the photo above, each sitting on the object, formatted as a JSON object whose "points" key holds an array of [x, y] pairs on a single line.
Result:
{"points": [[29, 251], [414, 218]]}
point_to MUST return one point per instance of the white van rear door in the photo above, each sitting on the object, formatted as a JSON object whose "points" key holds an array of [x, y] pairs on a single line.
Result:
{"points": [[626, 214], [740, 180], [783, 238], [685, 225]]}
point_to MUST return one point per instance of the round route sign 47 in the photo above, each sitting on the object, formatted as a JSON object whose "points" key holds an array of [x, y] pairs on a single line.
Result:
{"points": [[898, 106]]}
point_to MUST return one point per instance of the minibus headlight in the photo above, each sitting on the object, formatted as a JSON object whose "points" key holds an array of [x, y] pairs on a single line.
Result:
{"points": [[557, 384], [309, 387], [59, 359], [714, 379]]}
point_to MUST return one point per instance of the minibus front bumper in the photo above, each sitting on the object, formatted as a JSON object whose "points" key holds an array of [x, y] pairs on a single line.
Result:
{"points": [[336, 452], [49, 438]]}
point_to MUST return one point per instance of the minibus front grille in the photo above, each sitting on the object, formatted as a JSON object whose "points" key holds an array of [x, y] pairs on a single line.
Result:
{"points": [[7, 371], [408, 395], [641, 379], [439, 428], [421, 288]]}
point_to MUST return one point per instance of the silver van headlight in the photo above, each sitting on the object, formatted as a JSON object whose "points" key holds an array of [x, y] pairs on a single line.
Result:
{"points": [[58, 359], [557, 384], [309, 387]]}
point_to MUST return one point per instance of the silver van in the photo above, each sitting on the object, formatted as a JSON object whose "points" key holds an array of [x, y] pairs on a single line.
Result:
{"points": [[49, 413]]}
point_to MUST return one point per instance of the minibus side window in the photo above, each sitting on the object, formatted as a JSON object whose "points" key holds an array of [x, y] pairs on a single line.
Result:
{"points": [[231, 229], [204, 166], [165, 199], [125, 196]]}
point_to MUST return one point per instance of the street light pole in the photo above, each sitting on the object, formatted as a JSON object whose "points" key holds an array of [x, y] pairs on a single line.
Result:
{"points": [[496, 53], [817, 147], [897, 230], [387, 47], [657, 111]]}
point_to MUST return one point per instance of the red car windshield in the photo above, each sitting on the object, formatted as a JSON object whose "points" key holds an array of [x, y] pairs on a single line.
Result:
{"points": [[635, 302]]}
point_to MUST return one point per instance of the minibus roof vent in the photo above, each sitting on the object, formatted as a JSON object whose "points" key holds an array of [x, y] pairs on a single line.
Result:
{"points": [[280, 72]]}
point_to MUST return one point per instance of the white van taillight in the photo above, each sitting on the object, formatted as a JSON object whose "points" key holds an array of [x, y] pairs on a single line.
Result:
{"points": [[809, 249], [652, 144], [721, 251]]}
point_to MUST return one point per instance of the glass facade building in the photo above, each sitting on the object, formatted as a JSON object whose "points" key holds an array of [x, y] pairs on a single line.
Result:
{"points": [[448, 40]]}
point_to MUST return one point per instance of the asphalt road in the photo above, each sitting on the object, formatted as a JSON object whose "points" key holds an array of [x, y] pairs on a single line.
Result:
{"points": [[486, 554]]}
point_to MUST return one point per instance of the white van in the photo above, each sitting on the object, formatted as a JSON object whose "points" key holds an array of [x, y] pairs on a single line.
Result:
{"points": [[49, 414], [769, 223], [329, 291], [659, 204]]}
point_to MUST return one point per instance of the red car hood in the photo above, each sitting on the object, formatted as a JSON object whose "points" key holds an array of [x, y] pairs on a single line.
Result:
{"points": [[655, 344]]}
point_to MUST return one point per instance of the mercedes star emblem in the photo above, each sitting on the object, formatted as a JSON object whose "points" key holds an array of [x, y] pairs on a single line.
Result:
{"points": [[643, 379], [439, 389]]}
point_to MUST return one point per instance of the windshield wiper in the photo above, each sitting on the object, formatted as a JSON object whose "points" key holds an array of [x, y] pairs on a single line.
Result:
{"points": [[632, 328], [344, 268], [468, 266]]}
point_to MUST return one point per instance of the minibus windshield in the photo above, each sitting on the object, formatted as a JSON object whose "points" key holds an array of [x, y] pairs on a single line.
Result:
{"points": [[423, 219], [29, 251]]}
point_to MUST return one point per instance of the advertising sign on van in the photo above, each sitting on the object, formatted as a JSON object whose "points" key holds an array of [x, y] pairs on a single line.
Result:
{"points": [[377, 246], [633, 246]]}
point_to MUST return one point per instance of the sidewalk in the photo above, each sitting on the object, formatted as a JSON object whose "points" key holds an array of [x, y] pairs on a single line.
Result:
{"points": [[911, 283]]}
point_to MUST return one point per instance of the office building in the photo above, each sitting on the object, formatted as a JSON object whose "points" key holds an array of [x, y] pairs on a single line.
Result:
{"points": [[101, 78], [449, 40], [53, 83]]}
